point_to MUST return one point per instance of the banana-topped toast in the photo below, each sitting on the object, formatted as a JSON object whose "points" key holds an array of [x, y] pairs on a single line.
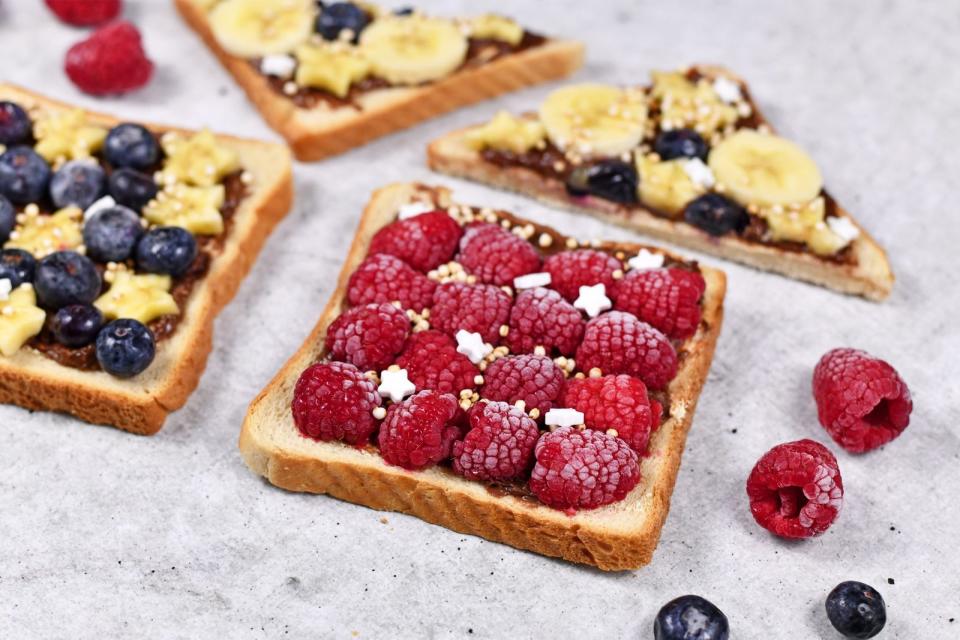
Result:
{"points": [[688, 159], [331, 76]]}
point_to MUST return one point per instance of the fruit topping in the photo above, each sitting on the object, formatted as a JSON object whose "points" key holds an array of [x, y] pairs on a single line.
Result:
{"points": [[613, 180], [666, 185], [680, 143], [125, 348], [20, 318], [17, 266], [198, 160], [495, 255], [716, 214], [541, 317], [595, 119], [85, 13], [593, 300], [508, 132], [140, 297], [617, 342], [384, 278], [255, 28], [335, 401], [419, 431], [166, 250], [131, 145], [499, 445], [112, 234], [690, 618], [67, 135], [808, 224], [856, 610], [341, 21], [685, 104], [24, 175], [196, 209], [15, 125], [333, 68], [494, 27], [615, 402], [64, 278], [8, 219], [368, 336], [570, 270], [110, 61], [424, 242], [479, 308], [667, 299], [409, 50], [76, 325], [79, 183], [131, 188], [432, 362], [536, 381], [42, 235]]}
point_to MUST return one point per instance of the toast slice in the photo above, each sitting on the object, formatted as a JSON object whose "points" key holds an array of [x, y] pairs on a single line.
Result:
{"points": [[860, 267], [619, 536], [318, 129], [141, 404]]}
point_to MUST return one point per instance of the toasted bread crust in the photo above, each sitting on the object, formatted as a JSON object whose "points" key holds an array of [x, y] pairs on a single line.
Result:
{"points": [[317, 133], [141, 405], [617, 537]]}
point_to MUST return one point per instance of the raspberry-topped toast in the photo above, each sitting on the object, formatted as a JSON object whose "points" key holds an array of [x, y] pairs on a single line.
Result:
{"points": [[332, 76], [490, 375], [688, 159]]}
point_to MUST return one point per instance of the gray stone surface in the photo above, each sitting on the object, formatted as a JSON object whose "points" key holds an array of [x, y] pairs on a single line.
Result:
{"points": [[104, 534]]}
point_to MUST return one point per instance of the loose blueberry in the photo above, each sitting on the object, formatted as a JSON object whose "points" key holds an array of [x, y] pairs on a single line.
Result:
{"points": [[690, 618], [78, 183], [339, 16], [610, 179], [8, 219], [15, 125], [168, 250], [680, 143], [131, 188], [716, 214], [17, 266], [24, 175], [77, 325], [65, 278], [131, 145], [856, 610], [112, 234], [125, 348]]}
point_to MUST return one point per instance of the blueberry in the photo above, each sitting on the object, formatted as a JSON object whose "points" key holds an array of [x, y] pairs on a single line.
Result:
{"points": [[610, 179], [112, 234], [125, 348], [131, 188], [716, 214], [79, 183], [339, 16], [15, 125], [24, 175], [130, 145], [168, 250], [77, 325], [64, 278], [690, 618], [8, 219], [680, 143], [856, 610], [17, 266]]}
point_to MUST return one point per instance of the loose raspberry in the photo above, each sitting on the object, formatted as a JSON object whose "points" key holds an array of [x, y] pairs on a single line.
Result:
{"points": [[479, 308], [419, 431], [537, 380], [499, 445], [668, 299], [383, 278], [616, 342], [110, 61], [424, 242], [541, 317], [861, 401], [495, 255], [570, 270], [85, 13], [795, 489], [369, 336], [335, 401], [615, 402], [583, 469], [432, 362]]}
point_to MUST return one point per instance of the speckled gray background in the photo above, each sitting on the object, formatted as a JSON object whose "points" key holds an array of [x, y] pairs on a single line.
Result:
{"points": [[105, 534]]}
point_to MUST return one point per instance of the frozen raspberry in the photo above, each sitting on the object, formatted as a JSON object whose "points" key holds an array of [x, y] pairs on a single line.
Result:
{"points": [[419, 431], [582, 469], [795, 489], [424, 242], [541, 317], [479, 308], [861, 401], [537, 380], [369, 336], [570, 270], [615, 402], [334, 401], [110, 61], [668, 299], [383, 278], [495, 255], [85, 13], [616, 342], [499, 445], [432, 362]]}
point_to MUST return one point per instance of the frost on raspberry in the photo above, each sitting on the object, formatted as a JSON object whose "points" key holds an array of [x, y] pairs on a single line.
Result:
{"points": [[477, 308], [385, 278], [667, 299], [617, 402], [495, 255], [335, 401], [541, 317], [617, 342], [424, 242], [433, 362], [536, 380], [419, 431], [570, 270], [499, 445], [369, 336]]}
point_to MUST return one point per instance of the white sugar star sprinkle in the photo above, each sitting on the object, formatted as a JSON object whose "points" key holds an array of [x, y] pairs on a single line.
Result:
{"points": [[395, 385], [414, 209], [532, 280], [472, 345], [278, 65], [563, 418], [728, 90], [646, 260], [593, 300], [5, 288], [843, 228], [103, 203], [699, 173]]}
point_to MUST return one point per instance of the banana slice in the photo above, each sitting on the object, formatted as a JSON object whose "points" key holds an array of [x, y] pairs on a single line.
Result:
{"points": [[42, 235], [140, 297], [595, 119], [330, 67], [508, 132], [413, 49], [665, 186], [196, 209], [496, 27], [20, 319], [254, 28], [765, 170]]}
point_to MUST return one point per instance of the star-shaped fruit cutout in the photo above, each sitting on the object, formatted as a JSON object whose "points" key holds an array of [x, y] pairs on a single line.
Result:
{"points": [[138, 297], [563, 418], [67, 136], [593, 299], [196, 209], [20, 318], [332, 67], [471, 344], [200, 160], [395, 384], [42, 235]]}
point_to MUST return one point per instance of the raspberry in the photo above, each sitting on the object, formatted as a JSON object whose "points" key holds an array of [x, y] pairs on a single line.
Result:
{"points": [[795, 489], [582, 469], [85, 13], [424, 242], [480, 308], [570, 270], [432, 362], [495, 255], [537, 380], [383, 278], [368, 337], [419, 432], [861, 401], [334, 401], [110, 61], [668, 299], [615, 402], [499, 445], [616, 342], [541, 317]]}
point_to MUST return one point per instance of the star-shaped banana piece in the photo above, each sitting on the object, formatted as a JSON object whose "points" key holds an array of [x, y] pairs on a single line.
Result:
{"points": [[67, 136], [198, 160], [196, 209], [333, 67], [665, 186], [138, 297], [495, 27], [42, 235], [696, 105], [20, 318]]}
